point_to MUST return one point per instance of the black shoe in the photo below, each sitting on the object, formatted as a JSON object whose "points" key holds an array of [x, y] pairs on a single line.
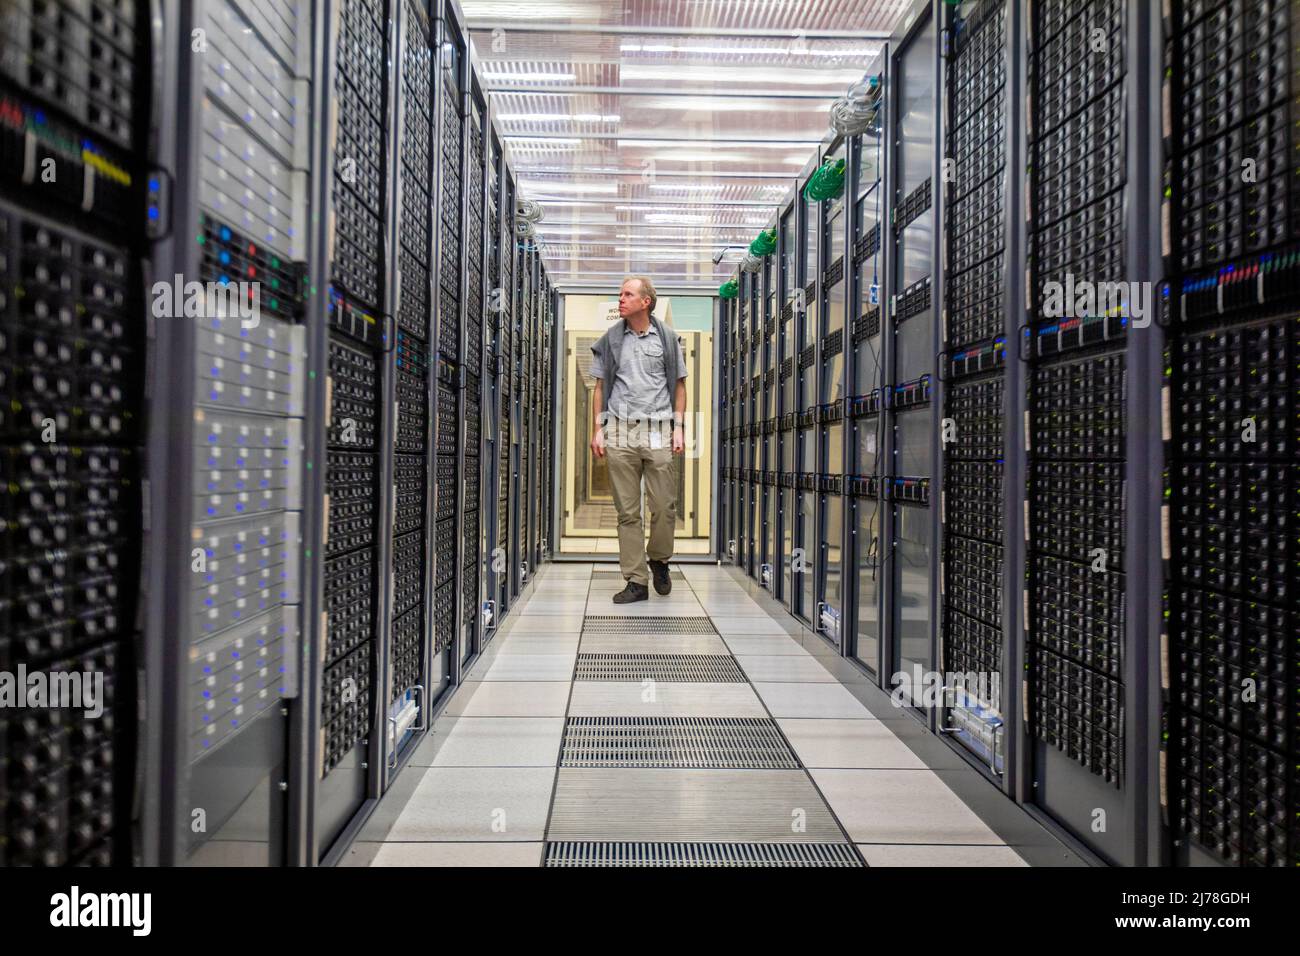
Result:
{"points": [[633, 592], [663, 580]]}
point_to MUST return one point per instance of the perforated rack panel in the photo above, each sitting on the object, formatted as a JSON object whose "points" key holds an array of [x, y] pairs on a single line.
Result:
{"points": [[361, 110], [1233, 402], [72, 344], [1076, 392], [449, 178]]}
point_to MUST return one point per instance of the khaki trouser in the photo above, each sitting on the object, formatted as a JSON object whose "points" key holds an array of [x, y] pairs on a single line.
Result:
{"points": [[634, 450]]}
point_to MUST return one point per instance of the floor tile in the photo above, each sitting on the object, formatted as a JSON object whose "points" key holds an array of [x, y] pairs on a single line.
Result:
{"points": [[502, 742], [510, 699], [809, 700], [785, 667], [766, 644], [477, 804], [900, 806], [526, 642], [853, 744], [689, 805], [459, 854], [964, 856], [511, 666], [593, 643], [663, 699], [729, 625]]}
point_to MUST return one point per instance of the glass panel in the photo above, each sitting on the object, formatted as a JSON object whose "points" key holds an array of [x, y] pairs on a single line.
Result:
{"points": [[912, 434], [788, 253], [835, 449], [808, 508], [834, 552], [812, 265], [833, 383], [836, 236], [867, 446], [787, 538], [913, 587], [916, 250], [916, 125], [809, 331], [914, 340], [868, 649]]}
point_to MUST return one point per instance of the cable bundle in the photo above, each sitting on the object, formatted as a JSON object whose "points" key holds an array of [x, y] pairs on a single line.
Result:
{"points": [[729, 289], [857, 110], [827, 182], [764, 244], [751, 264]]}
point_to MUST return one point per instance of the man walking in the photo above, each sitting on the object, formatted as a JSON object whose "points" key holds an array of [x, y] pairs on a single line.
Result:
{"points": [[641, 364]]}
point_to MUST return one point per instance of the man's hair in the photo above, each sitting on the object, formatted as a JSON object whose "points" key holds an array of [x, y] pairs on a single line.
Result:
{"points": [[647, 289]]}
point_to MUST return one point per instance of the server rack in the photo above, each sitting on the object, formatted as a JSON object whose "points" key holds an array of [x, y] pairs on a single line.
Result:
{"points": [[1230, 431], [472, 437], [452, 285], [411, 565], [864, 408], [930, 334], [787, 282], [980, 389], [1090, 689], [834, 282], [73, 419]]}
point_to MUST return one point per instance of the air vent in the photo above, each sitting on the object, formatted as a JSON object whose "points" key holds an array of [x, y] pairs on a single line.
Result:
{"points": [[613, 624], [712, 668], [683, 743], [702, 854]]}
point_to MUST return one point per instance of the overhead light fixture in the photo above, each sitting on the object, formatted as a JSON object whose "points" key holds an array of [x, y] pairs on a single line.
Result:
{"points": [[744, 50], [723, 145], [557, 117], [739, 74], [529, 77], [534, 185]]}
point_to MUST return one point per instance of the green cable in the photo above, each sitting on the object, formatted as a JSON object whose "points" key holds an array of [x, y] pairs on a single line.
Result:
{"points": [[729, 289], [826, 182], [764, 244]]}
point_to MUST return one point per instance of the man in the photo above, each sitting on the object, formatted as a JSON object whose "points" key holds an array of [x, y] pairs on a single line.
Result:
{"points": [[641, 363]]}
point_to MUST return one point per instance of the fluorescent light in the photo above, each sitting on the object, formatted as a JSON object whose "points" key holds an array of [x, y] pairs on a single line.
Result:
{"points": [[529, 77], [692, 187], [744, 50], [740, 74], [675, 217], [723, 146], [607, 188], [557, 117]]}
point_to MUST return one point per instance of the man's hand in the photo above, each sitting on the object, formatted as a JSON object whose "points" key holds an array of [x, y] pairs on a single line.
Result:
{"points": [[679, 440], [598, 443]]}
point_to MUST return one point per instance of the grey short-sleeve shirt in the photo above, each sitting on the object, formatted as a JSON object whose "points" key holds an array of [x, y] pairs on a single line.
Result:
{"points": [[642, 389]]}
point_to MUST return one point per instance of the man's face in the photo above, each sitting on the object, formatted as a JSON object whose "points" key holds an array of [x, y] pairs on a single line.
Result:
{"points": [[630, 300]]}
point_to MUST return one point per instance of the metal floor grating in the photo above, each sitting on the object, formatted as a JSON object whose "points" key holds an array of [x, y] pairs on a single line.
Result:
{"points": [[675, 576], [676, 742], [646, 624], [702, 854], [711, 668]]}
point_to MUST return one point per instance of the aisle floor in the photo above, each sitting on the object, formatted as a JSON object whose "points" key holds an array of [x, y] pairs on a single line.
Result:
{"points": [[727, 731]]}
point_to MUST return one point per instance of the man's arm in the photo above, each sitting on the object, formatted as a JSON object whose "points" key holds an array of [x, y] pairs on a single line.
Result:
{"points": [[679, 417], [597, 406]]}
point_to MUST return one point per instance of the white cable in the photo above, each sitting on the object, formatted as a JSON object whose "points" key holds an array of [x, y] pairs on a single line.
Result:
{"points": [[857, 110]]}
